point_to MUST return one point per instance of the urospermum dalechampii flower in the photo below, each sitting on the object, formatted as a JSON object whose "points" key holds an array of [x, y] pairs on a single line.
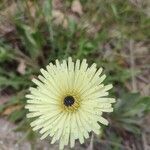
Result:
{"points": [[68, 101]]}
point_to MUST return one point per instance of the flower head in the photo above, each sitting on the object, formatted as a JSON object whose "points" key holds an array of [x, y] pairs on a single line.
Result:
{"points": [[68, 101]]}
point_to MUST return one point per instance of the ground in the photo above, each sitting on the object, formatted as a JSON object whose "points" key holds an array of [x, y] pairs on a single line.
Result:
{"points": [[113, 34]]}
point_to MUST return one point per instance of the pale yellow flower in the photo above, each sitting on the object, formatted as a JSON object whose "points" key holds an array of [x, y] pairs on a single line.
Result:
{"points": [[68, 101]]}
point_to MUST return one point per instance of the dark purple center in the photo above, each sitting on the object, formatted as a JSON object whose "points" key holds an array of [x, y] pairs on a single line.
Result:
{"points": [[68, 101]]}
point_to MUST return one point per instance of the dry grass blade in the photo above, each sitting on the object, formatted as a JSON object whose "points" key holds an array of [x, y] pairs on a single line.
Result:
{"points": [[5, 19], [77, 7]]}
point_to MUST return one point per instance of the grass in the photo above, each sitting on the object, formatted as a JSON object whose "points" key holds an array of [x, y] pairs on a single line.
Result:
{"points": [[102, 34]]}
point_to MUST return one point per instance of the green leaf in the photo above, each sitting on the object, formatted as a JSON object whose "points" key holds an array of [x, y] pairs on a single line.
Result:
{"points": [[114, 9], [138, 109], [131, 128], [132, 120], [5, 54], [31, 38], [47, 13], [2, 107], [145, 101], [130, 110], [17, 115], [13, 81], [114, 141], [47, 10]]}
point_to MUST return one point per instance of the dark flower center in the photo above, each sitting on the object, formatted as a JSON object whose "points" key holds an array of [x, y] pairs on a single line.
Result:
{"points": [[69, 101]]}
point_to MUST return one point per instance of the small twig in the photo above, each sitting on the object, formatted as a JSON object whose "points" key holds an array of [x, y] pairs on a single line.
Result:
{"points": [[145, 145], [28, 60], [132, 62], [23, 137], [68, 48], [29, 12], [90, 147], [143, 79]]}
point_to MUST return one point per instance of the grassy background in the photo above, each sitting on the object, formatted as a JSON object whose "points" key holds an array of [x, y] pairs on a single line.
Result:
{"points": [[113, 34]]}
